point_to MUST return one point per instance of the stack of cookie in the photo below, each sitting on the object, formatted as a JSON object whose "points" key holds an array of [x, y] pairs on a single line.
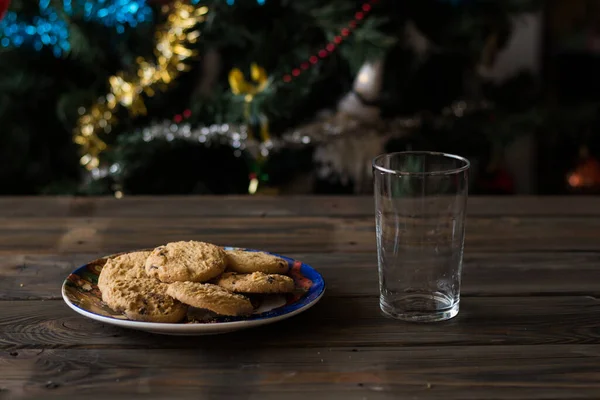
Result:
{"points": [[160, 285]]}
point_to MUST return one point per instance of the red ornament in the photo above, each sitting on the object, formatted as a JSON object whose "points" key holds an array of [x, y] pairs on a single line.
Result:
{"points": [[187, 113], [295, 72], [337, 39], [305, 65], [345, 32], [313, 59], [322, 53], [3, 7], [178, 118], [330, 47], [352, 24], [366, 7], [359, 15]]}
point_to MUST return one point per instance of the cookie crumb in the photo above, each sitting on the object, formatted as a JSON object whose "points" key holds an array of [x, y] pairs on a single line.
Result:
{"points": [[21, 285], [428, 385]]}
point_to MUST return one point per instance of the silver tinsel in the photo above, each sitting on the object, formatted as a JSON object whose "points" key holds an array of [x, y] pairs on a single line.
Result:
{"points": [[233, 135], [344, 145]]}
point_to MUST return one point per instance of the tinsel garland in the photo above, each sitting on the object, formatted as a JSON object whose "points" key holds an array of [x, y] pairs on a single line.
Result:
{"points": [[339, 139], [170, 51], [323, 131], [126, 90], [233, 135]]}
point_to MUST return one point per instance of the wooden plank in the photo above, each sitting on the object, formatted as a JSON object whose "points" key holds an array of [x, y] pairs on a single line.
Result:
{"points": [[110, 235], [34, 276], [280, 234], [334, 322], [510, 372], [188, 206], [256, 206]]}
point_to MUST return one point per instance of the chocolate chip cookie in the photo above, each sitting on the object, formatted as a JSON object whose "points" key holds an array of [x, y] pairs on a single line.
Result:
{"points": [[186, 261], [210, 297], [246, 262], [123, 267], [143, 299], [256, 282]]}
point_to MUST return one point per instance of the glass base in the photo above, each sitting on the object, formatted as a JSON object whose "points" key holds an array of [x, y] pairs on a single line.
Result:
{"points": [[421, 308]]}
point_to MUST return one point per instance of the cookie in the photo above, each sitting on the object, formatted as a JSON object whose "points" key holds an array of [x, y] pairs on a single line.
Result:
{"points": [[143, 299], [186, 261], [246, 262], [126, 267], [256, 282], [210, 297]]}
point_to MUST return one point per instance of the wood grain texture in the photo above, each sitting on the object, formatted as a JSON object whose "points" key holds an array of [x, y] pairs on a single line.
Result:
{"points": [[529, 326], [242, 206], [334, 322], [39, 276], [281, 234], [564, 371]]}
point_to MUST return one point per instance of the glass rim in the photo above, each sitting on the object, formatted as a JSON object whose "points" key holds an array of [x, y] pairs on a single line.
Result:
{"points": [[451, 171]]}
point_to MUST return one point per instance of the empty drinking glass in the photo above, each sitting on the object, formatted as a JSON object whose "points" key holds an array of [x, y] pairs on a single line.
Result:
{"points": [[420, 204]]}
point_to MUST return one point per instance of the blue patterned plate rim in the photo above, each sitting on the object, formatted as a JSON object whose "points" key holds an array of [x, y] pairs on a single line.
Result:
{"points": [[308, 299]]}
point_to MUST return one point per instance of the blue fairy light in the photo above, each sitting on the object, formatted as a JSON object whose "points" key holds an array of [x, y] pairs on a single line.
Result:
{"points": [[48, 29], [113, 13], [44, 30]]}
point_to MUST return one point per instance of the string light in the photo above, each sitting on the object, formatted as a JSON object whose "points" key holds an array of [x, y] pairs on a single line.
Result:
{"points": [[49, 30], [44, 30], [330, 47], [126, 90]]}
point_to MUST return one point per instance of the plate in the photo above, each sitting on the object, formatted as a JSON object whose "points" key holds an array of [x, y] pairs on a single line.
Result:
{"points": [[81, 293]]}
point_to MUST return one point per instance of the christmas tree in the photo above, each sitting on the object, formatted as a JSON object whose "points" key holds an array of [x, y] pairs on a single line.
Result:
{"points": [[135, 96]]}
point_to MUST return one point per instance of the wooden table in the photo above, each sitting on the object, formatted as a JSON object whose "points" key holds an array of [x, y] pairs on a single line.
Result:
{"points": [[529, 326]]}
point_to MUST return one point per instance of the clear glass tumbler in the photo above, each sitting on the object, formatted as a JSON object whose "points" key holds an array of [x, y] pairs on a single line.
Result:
{"points": [[420, 204]]}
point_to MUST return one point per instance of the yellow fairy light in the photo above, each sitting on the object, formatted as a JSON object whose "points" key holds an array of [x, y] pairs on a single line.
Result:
{"points": [[127, 90], [87, 130], [80, 140], [192, 37]]}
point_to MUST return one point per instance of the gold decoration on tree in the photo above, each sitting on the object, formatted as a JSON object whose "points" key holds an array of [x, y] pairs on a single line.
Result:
{"points": [[255, 120], [127, 90], [241, 87]]}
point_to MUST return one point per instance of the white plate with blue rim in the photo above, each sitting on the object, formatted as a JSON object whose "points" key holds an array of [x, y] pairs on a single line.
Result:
{"points": [[81, 293]]}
